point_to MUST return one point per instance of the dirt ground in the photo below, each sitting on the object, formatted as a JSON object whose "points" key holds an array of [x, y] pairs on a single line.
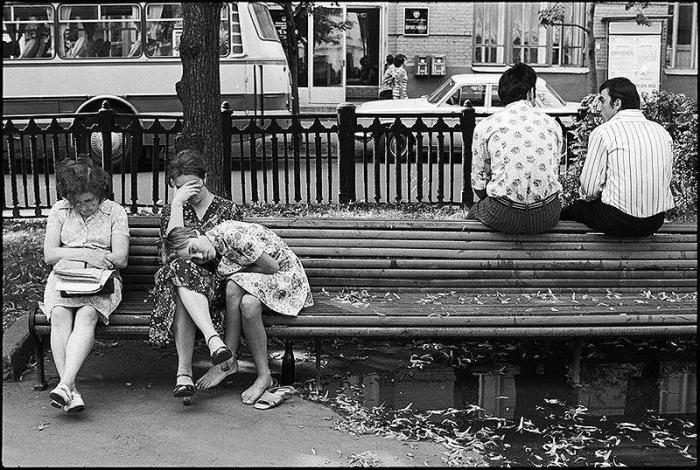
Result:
{"points": [[132, 419]]}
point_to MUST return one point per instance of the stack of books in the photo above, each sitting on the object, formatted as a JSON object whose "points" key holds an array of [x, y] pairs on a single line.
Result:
{"points": [[81, 281]]}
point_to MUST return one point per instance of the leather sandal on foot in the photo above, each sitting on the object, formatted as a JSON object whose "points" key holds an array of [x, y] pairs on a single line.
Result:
{"points": [[222, 354], [60, 395], [184, 390], [75, 404]]}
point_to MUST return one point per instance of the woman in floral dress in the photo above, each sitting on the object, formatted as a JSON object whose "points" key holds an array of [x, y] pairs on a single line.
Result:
{"points": [[194, 206], [265, 273]]}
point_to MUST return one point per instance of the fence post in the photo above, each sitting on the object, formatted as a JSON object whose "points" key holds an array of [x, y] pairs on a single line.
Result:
{"points": [[105, 118], [467, 121], [226, 131], [347, 122]]}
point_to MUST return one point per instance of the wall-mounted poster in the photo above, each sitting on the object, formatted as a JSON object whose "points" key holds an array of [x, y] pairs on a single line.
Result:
{"points": [[635, 52], [415, 21]]}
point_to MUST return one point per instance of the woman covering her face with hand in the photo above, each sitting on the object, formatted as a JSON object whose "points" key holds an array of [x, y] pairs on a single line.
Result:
{"points": [[189, 295], [261, 271], [84, 228]]}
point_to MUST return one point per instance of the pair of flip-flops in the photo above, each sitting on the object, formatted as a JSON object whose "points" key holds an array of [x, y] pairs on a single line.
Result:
{"points": [[274, 396]]}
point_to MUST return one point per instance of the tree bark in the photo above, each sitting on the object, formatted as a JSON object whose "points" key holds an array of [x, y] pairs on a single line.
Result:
{"points": [[590, 45], [292, 52], [199, 90]]}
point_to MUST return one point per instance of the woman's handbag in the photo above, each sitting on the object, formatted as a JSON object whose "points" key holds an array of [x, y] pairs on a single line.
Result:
{"points": [[80, 282]]}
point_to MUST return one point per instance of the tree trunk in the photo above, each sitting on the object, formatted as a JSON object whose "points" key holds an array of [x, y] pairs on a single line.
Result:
{"points": [[199, 90], [292, 53], [590, 44]]}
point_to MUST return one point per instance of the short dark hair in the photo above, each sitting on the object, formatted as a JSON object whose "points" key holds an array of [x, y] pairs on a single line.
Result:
{"points": [[390, 59], [516, 82], [399, 59], [187, 162], [80, 175], [621, 88]]}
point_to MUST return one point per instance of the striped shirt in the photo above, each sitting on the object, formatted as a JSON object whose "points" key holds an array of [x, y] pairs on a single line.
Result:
{"points": [[387, 79], [629, 165], [400, 83]]}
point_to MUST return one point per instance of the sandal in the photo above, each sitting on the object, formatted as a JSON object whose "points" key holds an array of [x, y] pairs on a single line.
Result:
{"points": [[75, 404], [222, 354], [60, 396], [273, 397], [184, 390]]}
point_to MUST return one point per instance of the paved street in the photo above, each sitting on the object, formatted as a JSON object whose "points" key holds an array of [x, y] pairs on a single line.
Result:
{"points": [[132, 419]]}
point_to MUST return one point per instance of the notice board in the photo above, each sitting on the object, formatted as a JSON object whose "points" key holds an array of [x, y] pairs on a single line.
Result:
{"points": [[415, 21], [634, 51]]}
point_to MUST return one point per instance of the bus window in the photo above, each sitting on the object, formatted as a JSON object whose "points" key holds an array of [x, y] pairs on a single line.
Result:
{"points": [[164, 28], [263, 22], [236, 36], [99, 31], [27, 32]]}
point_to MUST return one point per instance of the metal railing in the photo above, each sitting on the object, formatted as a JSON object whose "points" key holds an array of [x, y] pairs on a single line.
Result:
{"points": [[306, 158]]}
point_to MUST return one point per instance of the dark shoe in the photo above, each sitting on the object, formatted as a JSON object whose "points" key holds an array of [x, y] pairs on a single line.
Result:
{"points": [[222, 354], [184, 390]]}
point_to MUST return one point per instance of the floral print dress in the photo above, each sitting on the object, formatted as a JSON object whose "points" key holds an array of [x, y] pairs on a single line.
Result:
{"points": [[240, 244], [200, 278]]}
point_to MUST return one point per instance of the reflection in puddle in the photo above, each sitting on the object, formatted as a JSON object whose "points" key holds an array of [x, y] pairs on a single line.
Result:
{"points": [[633, 411]]}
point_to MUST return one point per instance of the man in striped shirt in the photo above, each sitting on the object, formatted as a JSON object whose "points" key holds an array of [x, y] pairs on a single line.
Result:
{"points": [[626, 178]]}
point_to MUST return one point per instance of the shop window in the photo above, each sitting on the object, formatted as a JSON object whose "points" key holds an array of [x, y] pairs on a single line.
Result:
{"points": [[362, 47], [87, 31], [682, 41], [508, 32], [27, 32]]}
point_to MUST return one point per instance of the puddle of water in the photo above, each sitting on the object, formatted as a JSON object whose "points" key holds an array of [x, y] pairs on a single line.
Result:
{"points": [[635, 403]]}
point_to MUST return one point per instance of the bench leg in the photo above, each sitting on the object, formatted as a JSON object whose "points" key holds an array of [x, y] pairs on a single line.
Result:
{"points": [[318, 364], [39, 355], [576, 370]]}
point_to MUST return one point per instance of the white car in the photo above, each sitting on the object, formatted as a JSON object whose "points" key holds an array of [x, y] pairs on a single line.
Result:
{"points": [[480, 89]]}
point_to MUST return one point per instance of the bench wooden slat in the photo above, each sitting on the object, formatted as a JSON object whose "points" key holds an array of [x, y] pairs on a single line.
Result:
{"points": [[485, 246], [480, 236], [424, 224]]}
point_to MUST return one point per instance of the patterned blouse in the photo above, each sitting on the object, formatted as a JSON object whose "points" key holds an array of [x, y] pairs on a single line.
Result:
{"points": [[240, 244], [516, 154]]}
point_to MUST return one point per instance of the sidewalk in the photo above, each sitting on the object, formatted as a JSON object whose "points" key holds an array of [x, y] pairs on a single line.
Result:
{"points": [[132, 419]]}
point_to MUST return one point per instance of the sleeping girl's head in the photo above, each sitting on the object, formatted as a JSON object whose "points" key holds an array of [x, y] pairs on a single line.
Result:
{"points": [[188, 244]]}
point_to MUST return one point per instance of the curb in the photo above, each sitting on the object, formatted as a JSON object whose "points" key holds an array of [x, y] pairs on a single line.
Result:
{"points": [[17, 349]]}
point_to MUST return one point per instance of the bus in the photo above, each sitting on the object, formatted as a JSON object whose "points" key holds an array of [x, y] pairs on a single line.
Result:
{"points": [[69, 58]]}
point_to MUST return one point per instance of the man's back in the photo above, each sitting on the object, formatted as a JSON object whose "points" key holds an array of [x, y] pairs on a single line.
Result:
{"points": [[633, 156]]}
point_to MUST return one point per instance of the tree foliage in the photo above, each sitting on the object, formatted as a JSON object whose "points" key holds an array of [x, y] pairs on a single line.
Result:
{"points": [[556, 16]]}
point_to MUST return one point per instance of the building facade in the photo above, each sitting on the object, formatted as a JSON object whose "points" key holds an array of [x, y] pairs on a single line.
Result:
{"points": [[344, 45]]}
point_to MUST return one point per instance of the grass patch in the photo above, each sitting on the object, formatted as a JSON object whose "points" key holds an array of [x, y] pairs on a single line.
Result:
{"points": [[24, 272]]}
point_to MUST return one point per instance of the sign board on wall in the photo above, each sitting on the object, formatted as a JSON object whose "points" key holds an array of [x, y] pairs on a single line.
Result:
{"points": [[635, 56], [415, 22]]}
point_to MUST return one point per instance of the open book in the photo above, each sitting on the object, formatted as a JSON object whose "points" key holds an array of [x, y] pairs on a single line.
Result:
{"points": [[81, 280]]}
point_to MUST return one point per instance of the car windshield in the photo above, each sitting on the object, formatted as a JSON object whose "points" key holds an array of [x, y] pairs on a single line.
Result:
{"points": [[441, 91], [549, 98]]}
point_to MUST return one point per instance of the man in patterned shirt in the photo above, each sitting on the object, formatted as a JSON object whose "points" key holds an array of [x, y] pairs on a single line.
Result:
{"points": [[626, 178], [515, 165], [400, 78]]}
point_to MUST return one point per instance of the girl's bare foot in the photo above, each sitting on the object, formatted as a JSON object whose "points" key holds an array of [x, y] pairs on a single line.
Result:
{"points": [[262, 383], [217, 373]]}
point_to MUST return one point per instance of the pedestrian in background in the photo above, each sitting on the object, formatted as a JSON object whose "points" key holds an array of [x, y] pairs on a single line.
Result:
{"points": [[626, 178], [386, 87], [400, 78]]}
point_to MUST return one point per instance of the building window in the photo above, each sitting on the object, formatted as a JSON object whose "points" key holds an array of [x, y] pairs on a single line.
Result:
{"points": [[509, 32], [682, 36]]}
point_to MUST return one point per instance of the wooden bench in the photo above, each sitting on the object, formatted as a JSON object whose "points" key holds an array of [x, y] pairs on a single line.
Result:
{"points": [[452, 279]]}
